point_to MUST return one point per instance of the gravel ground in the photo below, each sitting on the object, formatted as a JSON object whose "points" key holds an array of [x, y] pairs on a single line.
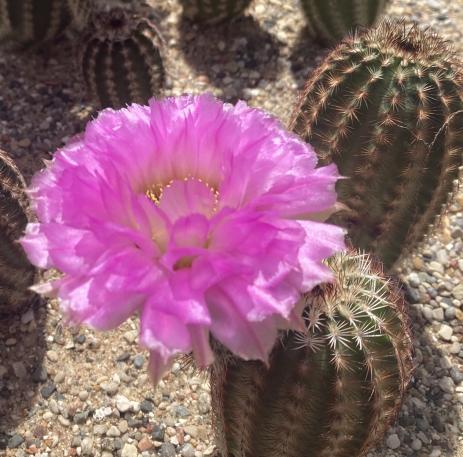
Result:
{"points": [[68, 391]]}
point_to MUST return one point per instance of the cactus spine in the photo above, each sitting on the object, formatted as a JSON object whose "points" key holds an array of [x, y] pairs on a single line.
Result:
{"points": [[213, 11], [387, 108], [33, 22], [16, 273], [330, 391], [121, 61], [331, 20]]}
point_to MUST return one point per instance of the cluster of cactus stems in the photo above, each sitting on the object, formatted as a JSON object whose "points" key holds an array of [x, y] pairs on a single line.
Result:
{"points": [[330, 20], [121, 61], [330, 391], [33, 22], [213, 11], [387, 107], [16, 273]]}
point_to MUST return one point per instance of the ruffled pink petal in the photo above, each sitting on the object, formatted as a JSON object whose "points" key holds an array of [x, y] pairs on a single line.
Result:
{"points": [[229, 306]]}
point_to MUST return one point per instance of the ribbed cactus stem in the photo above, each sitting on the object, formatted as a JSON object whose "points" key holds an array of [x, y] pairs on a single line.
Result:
{"points": [[212, 11], [33, 22], [121, 60], [330, 391], [331, 20], [16, 273], [387, 107]]}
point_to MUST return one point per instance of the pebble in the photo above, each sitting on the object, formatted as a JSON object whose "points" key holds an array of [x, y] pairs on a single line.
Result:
{"points": [[145, 444], [416, 444], [447, 385], [146, 406], [113, 432], [15, 441], [167, 450], [83, 395], [111, 388], [446, 332], [123, 404], [188, 450], [129, 450], [138, 361], [52, 356], [87, 446], [393, 441], [48, 390]]}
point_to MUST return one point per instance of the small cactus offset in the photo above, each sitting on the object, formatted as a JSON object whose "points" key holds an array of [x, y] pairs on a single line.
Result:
{"points": [[33, 22], [213, 11], [331, 20], [121, 60], [330, 391], [387, 107], [16, 273]]}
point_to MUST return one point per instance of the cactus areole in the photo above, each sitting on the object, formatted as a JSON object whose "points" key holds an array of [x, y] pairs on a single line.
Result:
{"points": [[330, 391], [386, 107]]}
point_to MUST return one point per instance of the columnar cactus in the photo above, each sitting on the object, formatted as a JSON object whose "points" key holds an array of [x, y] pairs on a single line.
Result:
{"points": [[387, 108], [33, 22], [213, 11], [330, 20], [121, 60], [16, 273], [330, 391]]}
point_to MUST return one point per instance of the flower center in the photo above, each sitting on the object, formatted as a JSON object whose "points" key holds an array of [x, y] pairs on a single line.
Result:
{"points": [[181, 197]]}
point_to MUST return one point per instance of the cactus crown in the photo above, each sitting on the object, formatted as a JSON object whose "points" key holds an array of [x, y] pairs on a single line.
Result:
{"points": [[387, 107], [16, 273], [121, 61], [329, 391]]}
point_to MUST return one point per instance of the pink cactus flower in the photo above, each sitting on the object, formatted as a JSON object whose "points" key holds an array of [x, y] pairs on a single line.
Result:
{"points": [[205, 218]]}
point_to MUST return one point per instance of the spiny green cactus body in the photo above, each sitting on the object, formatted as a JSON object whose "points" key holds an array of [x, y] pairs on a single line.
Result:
{"points": [[16, 273], [328, 392], [33, 22], [331, 20], [121, 62], [387, 108], [213, 11]]}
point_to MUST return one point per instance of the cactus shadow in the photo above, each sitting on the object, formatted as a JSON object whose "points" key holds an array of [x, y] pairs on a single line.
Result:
{"points": [[22, 350], [42, 103], [428, 414], [234, 56], [306, 55]]}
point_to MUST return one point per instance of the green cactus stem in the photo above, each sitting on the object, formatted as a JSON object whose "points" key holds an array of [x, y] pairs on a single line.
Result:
{"points": [[16, 273], [331, 20], [330, 391], [213, 11], [33, 22], [121, 61], [387, 107]]}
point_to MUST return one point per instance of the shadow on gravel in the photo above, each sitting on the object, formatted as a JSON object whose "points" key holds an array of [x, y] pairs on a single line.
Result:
{"points": [[431, 411], [42, 103], [22, 350], [233, 56], [306, 55]]}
